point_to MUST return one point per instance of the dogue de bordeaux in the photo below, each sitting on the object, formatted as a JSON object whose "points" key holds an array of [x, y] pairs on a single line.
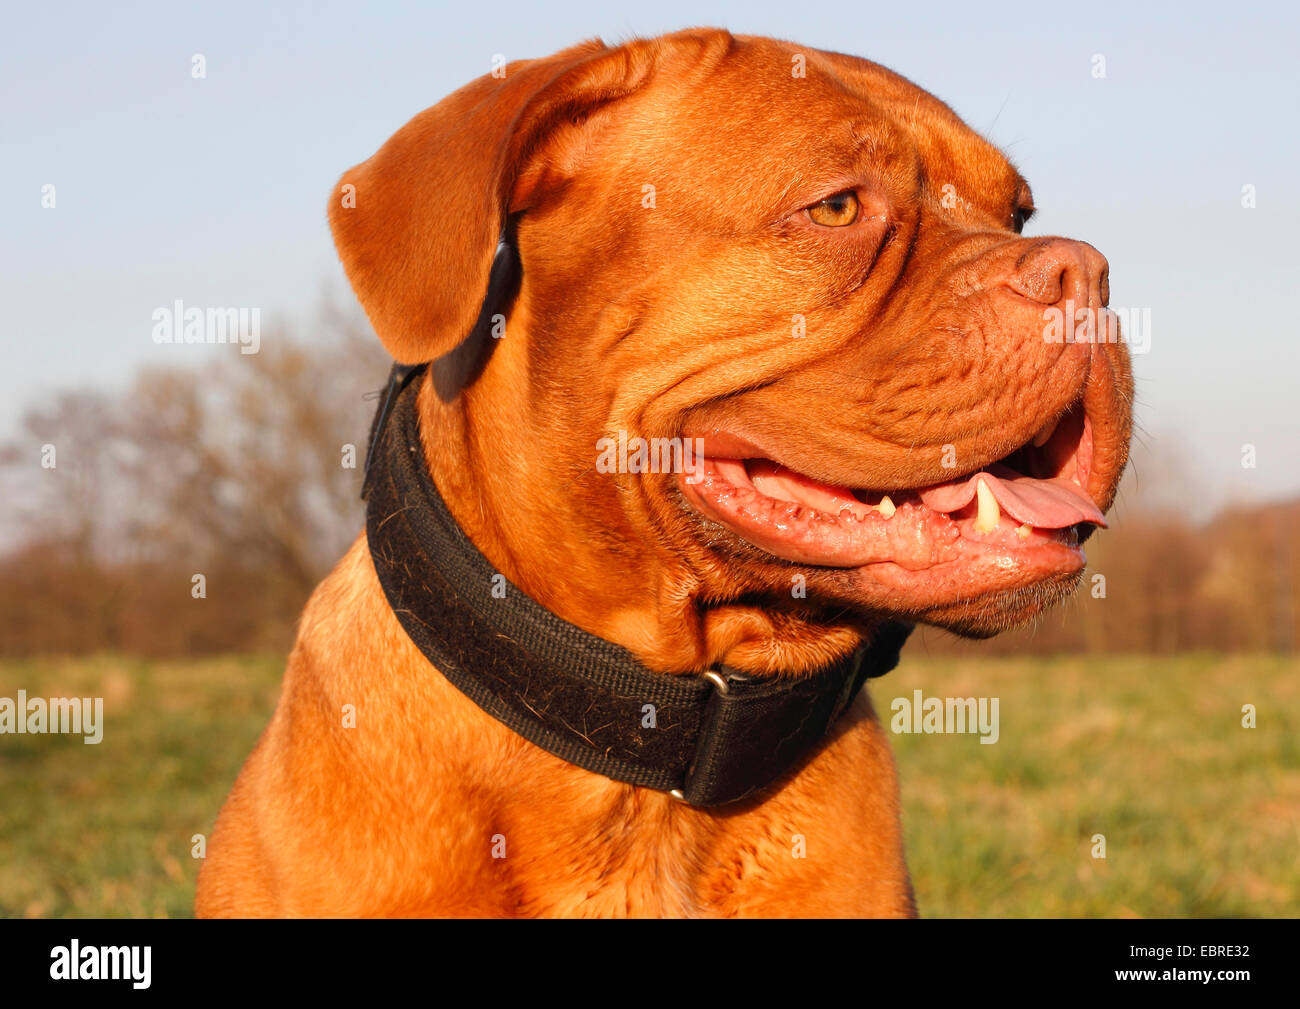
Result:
{"points": [[723, 363]]}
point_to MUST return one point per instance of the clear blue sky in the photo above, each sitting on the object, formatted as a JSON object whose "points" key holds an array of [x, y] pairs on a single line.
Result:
{"points": [[213, 191]]}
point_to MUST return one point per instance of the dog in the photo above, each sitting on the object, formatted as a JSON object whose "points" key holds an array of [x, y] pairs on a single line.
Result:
{"points": [[555, 679]]}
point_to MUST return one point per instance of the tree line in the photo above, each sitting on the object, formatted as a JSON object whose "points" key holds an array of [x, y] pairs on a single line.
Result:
{"points": [[194, 513]]}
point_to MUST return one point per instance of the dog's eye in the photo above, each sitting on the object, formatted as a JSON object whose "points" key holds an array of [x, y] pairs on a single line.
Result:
{"points": [[835, 211], [1021, 217]]}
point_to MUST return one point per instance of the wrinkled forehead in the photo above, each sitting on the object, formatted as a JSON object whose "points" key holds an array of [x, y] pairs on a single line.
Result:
{"points": [[944, 143], [778, 114]]}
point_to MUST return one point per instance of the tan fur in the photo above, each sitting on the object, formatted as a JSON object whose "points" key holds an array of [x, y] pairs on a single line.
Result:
{"points": [[658, 322]]}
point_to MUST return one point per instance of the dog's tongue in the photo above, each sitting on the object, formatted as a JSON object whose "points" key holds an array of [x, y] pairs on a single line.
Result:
{"points": [[1044, 504]]}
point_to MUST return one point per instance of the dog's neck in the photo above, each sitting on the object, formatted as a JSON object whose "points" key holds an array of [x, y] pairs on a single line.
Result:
{"points": [[725, 734], [611, 582]]}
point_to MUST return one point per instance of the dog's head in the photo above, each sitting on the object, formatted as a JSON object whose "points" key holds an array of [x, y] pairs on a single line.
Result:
{"points": [[796, 261]]}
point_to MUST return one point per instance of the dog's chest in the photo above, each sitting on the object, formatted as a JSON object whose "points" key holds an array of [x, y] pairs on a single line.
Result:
{"points": [[645, 858], [654, 884]]}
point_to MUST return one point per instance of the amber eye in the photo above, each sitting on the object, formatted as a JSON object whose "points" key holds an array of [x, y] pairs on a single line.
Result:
{"points": [[835, 211]]}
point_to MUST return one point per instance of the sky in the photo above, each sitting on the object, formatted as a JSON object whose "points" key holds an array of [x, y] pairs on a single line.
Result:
{"points": [[213, 190]]}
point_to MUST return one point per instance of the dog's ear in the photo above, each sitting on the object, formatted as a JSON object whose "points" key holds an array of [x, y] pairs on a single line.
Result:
{"points": [[417, 225]]}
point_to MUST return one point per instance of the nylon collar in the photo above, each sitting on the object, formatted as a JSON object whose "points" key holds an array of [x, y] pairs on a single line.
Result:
{"points": [[708, 739]]}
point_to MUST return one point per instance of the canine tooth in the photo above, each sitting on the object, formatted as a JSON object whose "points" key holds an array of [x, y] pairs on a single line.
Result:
{"points": [[1024, 531], [989, 514], [1045, 435], [886, 507]]}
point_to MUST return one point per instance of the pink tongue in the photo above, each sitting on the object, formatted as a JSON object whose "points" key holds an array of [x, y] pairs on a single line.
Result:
{"points": [[1046, 504]]}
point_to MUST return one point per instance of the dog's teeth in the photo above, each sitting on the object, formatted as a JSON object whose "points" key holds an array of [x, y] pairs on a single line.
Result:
{"points": [[1045, 435], [886, 507], [989, 514], [1024, 531]]}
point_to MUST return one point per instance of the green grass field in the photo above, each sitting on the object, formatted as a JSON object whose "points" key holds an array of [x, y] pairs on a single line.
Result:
{"points": [[1201, 816]]}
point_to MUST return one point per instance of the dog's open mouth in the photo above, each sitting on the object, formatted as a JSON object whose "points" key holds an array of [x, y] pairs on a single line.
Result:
{"points": [[1026, 511]]}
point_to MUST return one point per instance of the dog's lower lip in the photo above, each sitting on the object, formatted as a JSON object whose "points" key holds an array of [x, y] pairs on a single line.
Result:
{"points": [[800, 519], [1040, 488]]}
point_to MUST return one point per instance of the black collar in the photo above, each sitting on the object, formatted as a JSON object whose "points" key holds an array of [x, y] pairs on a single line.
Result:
{"points": [[708, 739]]}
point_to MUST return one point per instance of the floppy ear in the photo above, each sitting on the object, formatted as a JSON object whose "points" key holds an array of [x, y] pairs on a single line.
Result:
{"points": [[417, 225]]}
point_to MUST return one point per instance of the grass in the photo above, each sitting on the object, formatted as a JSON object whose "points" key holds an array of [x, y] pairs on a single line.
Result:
{"points": [[105, 830], [1201, 816]]}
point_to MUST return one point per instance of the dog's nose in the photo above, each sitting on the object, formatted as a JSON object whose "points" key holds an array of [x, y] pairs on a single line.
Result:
{"points": [[1056, 270]]}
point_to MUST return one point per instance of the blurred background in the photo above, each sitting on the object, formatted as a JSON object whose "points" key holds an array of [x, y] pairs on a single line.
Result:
{"points": [[156, 153]]}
